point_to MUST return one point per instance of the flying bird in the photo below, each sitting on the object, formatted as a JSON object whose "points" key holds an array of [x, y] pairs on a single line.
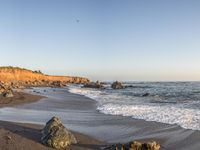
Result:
{"points": [[77, 20]]}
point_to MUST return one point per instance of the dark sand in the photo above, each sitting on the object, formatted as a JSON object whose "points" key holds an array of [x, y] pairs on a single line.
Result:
{"points": [[19, 98], [16, 136], [21, 136]]}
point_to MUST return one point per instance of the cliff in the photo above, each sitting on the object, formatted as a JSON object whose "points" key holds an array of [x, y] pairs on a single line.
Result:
{"points": [[11, 74]]}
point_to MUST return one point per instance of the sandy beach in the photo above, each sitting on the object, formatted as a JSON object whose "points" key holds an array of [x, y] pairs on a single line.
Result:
{"points": [[19, 98], [79, 114], [99, 75], [23, 136], [16, 136]]}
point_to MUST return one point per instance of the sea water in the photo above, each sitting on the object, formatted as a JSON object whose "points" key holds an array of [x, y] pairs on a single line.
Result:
{"points": [[166, 102]]}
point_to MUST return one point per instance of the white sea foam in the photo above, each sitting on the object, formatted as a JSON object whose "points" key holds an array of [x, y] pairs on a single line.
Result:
{"points": [[94, 94], [188, 118]]}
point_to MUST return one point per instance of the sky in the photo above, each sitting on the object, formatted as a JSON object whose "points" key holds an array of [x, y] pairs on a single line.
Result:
{"points": [[129, 40]]}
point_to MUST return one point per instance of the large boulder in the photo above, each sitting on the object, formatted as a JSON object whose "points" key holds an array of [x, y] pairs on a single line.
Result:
{"points": [[96, 85], [135, 146], [55, 135], [117, 85]]}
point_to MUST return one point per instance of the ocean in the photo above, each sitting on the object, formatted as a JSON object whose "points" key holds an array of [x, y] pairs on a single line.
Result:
{"points": [[166, 102], [120, 115]]}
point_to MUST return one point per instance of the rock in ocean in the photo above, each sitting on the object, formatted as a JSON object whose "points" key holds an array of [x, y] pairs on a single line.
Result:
{"points": [[95, 85], [117, 85]]}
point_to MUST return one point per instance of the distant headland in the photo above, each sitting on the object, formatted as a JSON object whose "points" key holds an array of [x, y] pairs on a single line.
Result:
{"points": [[17, 74]]}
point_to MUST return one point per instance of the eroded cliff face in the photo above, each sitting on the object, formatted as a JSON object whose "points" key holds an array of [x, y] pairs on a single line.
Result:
{"points": [[14, 74]]}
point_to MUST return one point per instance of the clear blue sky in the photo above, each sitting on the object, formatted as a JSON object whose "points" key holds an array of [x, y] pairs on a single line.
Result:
{"points": [[112, 39]]}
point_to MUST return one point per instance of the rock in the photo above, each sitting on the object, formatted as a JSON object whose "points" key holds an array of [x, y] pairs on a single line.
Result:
{"points": [[96, 85], [6, 89], [50, 124], [146, 94], [8, 93], [58, 84], [55, 135], [129, 86], [153, 145], [8, 137], [117, 85], [135, 145], [16, 85], [2, 87]]}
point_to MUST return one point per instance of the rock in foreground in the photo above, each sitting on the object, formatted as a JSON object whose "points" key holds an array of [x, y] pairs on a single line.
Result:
{"points": [[135, 146], [117, 85], [55, 135]]}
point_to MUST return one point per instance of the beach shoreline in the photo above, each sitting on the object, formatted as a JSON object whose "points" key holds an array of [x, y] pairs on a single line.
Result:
{"points": [[19, 98], [80, 115], [23, 136]]}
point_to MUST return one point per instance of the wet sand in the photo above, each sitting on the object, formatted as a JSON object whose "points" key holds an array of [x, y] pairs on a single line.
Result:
{"points": [[19, 98], [79, 114], [24, 136], [16, 136]]}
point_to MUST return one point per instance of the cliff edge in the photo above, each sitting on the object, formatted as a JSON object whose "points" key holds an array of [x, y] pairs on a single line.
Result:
{"points": [[13, 74]]}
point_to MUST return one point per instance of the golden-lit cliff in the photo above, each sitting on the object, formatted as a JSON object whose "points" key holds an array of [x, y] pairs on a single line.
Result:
{"points": [[9, 74]]}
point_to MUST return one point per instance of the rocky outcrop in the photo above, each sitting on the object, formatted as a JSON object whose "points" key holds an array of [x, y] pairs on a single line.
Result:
{"points": [[6, 89], [55, 135], [135, 146], [96, 85], [57, 84], [117, 85], [8, 93], [15, 74]]}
